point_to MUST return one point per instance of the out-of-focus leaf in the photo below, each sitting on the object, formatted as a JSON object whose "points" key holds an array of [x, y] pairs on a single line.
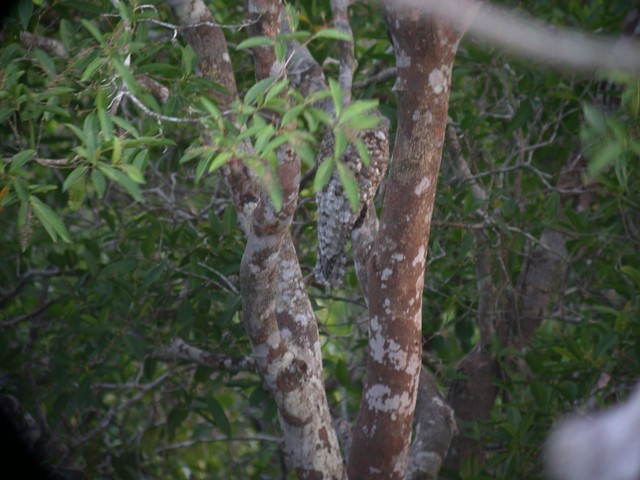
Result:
{"points": [[73, 177], [349, 184], [333, 34], [323, 174], [50, 220]]}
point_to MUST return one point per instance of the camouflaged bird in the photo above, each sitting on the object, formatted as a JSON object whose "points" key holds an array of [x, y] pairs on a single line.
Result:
{"points": [[336, 218]]}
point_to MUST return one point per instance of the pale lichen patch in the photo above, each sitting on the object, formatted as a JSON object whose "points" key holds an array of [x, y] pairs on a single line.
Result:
{"points": [[419, 259], [397, 356], [438, 81], [386, 273], [422, 186], [379, 398], [273, 339], [377, 346], [402, 59], [397, 257]]}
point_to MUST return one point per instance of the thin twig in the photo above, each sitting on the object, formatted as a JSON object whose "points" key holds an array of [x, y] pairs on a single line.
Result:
{"points": [[159, 116]]}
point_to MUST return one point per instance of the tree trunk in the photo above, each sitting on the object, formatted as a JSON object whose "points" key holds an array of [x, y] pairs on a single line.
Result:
{"points": [[425, 49]]}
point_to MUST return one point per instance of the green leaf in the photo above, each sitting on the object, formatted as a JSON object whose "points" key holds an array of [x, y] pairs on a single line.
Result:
{"points": [[632, 273], [363, 151], [93, 30], [73, 177], [25, 10], [219, 416], [262, 139], [255, 42], [125, 125], [92, 68], [125, 74], [150, 278], [323, 174], [147, 142], [45, 60], [336, 96], [293, 16], [276, 89], [123, 180], [76, 194], [334, 34], [19, 159], [77, 132], [291, 114], [604, 156], [219, 161], [280, 50], [189, 60], [522, 116], [258, 126], [256, 90], [50, 220], [133, 172], [210, 107], [275, 143], [201, 168], [116, 152], [190, 154], [349, 184], [356, 109], [340, 144], [99, 183], [184, 315], [106, 127], [595, 118], [364, 122], [320, 115], [20, 187], [305, 152]]}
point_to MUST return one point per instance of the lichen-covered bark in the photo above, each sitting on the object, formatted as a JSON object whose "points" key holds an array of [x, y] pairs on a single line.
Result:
{"points": [[425, 50], [265, 21], [435, 427], [276, 310], [348, 63]]}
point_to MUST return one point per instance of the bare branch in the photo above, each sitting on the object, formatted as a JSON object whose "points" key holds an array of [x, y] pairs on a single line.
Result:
{"points": [[51, 46], [158, 116], [382, 76], [108, 417], [27, 316], [180, 350]]}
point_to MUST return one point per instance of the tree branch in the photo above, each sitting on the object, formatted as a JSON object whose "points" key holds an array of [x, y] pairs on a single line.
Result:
{"points": [[435, 427], [180, 350]]}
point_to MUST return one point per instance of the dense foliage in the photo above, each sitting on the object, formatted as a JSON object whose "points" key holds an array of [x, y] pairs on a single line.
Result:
{"points": [[117, 236]]}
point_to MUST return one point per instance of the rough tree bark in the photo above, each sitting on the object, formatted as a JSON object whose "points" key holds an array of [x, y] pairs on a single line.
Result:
{"points": [[276, 310], [425, 50]]}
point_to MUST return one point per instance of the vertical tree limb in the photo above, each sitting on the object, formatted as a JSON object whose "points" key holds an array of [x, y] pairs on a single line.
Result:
{"points": [[425, 50], [435, 427], [347, 59]]}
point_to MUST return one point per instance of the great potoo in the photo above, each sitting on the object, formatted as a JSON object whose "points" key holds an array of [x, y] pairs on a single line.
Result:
{"points": [[336, 218]]}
